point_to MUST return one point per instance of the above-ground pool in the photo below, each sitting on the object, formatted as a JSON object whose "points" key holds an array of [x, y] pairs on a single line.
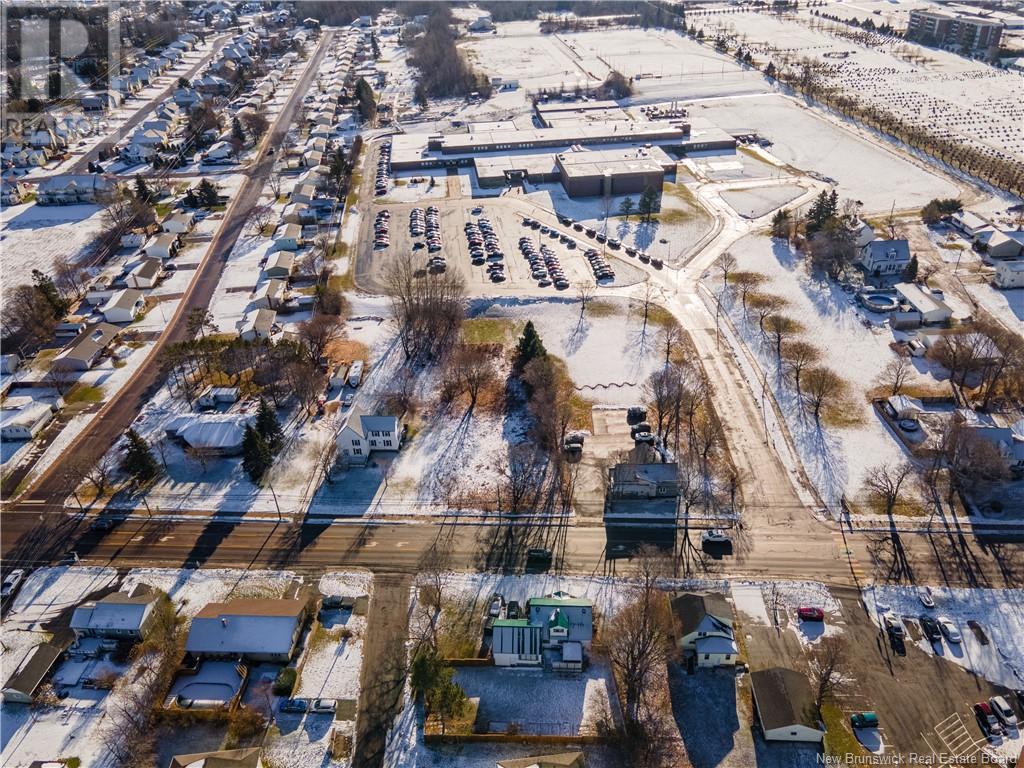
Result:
{"points": [[879, 302]]}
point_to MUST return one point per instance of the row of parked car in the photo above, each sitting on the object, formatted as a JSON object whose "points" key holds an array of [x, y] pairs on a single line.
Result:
{"points": [[383, 170], [432, 222], [381, 226], [545, 267], [996, 717], [602, 270], [315, 706], [417, 222], [485, 248]]}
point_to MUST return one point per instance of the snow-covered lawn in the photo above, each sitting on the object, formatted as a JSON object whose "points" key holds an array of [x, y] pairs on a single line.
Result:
{"points": [[34, 236], [192, 589], [49, 591], [1000, 612], [806, 140], [853, 342], [760, 602]]}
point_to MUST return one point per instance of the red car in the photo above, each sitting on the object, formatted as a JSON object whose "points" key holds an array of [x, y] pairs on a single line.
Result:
{"points": [[811, 614]]}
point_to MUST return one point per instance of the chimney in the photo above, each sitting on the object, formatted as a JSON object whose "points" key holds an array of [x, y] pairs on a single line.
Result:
{"points": [[223, 621]]}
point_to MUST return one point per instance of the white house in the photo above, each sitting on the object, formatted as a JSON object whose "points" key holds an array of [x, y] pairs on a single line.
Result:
{"points": [[704, 623], [221, 152], [73, 189], [1010, 274], [970, 223], [124, 306], [270, 294], [117, 616], [257, 324], [928, 305], [251, 629], [138, 153], [219, 433], [1005, 244], [280, 264], [145, 274], [288, 237], [785, 705], [885, 257], [179, 223], [163, 246], [363, 434], [25, 421]]}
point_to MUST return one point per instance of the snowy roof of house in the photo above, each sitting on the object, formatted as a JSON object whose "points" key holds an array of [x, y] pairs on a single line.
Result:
{"points": [[218, 430], [690, 609], [572, 651], [559, 760], [123, 299], [115, 611], [889, 249], [1012, 265], [292, 231], [68, 181], [904, 403], [651, 473], [245, 626], [146, 269], [90, 341], [923, 301], [281, 259], [715, 644], [273, 287], [553, 601], [23, 416], [260, 319]]}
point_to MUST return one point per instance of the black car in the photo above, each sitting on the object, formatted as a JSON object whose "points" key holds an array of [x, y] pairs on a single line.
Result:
{"points": [[512, 610], [538, 559], [930, 627], [297, 706]]}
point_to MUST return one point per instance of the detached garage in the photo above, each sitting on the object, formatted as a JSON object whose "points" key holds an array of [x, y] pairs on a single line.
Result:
{"points": [[785, 705]]}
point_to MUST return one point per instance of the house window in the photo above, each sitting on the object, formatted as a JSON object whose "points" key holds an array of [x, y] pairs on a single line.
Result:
{"points": [[357, 451], [728, 656], [387, 443], [707, 657], [356, 442]]}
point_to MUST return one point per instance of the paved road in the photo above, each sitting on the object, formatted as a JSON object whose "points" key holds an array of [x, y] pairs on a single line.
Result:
{"points": [[51, 488]]}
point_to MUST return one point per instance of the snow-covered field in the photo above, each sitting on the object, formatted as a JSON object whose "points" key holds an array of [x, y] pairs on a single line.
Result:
{"points": [[191, 589], [1000, 612], [762, 602], [34, 236], [853, 342], [47, 592], [809, 142]]}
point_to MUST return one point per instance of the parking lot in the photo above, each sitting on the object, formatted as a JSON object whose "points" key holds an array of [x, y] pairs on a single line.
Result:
{"points": [[505, 217]]}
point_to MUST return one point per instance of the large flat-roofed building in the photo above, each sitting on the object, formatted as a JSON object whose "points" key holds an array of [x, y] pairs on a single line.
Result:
{"points": [[561, 113], [976, 33], [613, 171], [585, 134]]}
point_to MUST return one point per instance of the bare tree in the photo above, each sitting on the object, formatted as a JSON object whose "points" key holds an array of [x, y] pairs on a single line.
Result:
{"points": [[799, 355], [428, 308], [827, 668], [895, 374], [473, 369], [70, 279], [522, 478], [823, 387], [646, 300], [763, 305], [726, 264], [261, 217], [669, 338], [584, 293], [884, 483], [201, 455], [745, 283], [958, 353], [60, 376], [275, 186], [781, 327], [317, 334]]}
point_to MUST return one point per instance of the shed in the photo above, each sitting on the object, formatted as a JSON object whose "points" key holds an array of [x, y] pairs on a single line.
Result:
{"points": [[23, 683], [785, 705]]}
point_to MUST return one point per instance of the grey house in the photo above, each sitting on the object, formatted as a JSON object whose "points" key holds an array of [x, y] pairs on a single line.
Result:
{"points": [[562, 618], [118, 616], [255, 630]]}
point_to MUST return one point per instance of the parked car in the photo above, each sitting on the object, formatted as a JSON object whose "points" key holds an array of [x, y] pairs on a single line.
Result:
{"points": [[864, 720], [808, 613], [978, 631], [497, 603], [987, 720], [101, 524], [930, 627], [926, 598], [512, 610], [949, 630], [296, 706], [894, 627], [538, 559], [323, 706], [1002, 709], [11, 582]]}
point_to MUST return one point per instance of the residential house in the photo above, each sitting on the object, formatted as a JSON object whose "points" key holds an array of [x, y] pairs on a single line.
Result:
{"points": [[257, 324], [117, 616], [926, 306], [287, 238], [1007, 435], [644, 495], [23, 683], [1003, 244], [249, 757], [163, 246], [254, 630], [271, 294], [280, 264], [145, 274], [124, 84], [560, 760], [101, 102], [363, 434], [180, 223], [10, 362], [187, 98], [124, 306], [14, 192], [299, 213], [136, 238], [220, 152], [138, 153], [144, 74], [1010, 274], [562, 618], [885, 257], [704, 627], [73, 189], [516, 642], [784, 704], [82, 353], [213, 397], [25, 419], [303, 194], [970, 223], [218, 434]]}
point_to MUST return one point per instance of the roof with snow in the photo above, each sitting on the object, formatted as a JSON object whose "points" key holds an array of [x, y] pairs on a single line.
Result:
{"points": [[216, 431], [241, 627], [228, 758], [690, 609], [123, 299], [115, 611]]}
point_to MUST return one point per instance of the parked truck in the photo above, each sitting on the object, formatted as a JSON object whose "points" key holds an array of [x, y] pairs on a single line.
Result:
{"points": [[355, 373]]}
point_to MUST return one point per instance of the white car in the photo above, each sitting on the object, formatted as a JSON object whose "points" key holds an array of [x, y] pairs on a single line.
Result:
{"points": [[11, 583], [949, 630], [1003, 711], [925, 596]]}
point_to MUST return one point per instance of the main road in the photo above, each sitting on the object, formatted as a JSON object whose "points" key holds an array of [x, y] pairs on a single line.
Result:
{"points": [[51, 487]]}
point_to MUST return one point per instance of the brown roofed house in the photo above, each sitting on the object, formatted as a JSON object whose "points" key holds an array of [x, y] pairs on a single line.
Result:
{"points": [[228, 758]]}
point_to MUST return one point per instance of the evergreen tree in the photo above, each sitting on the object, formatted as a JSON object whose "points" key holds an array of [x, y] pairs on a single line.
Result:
{"points": [[780, 224], [648, 203], [256, 455], [268, 427], [374, 46], [142, 191], [530, 346], [139, 461], [911, 274], [208, 196], [191, 201], [236, 130], [43, 283], [364, 98], [626, 208]]}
